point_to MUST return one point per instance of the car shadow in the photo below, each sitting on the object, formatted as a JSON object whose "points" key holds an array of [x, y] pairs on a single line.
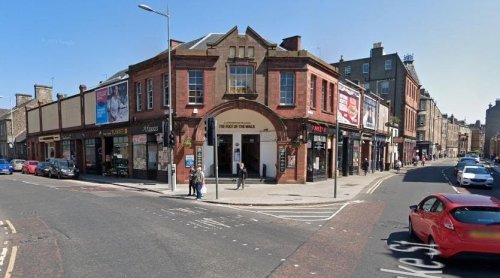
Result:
{"points": [[403, 247], [429, 174]]}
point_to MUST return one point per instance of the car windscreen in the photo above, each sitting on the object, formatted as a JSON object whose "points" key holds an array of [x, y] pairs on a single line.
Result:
{"points": [[477, 215], [64, 164], [3, 161], [479, 170], [42, 164]]}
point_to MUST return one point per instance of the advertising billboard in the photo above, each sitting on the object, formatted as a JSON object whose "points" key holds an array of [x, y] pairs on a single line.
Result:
{"points": [[369, 113], [349, 104], [112, 104]]}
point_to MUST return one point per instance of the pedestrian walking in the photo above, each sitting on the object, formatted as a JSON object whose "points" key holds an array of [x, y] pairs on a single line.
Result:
{"points": [[365, 165], [192, 186], [199, 181], [398, 165], [423, 160], [242, 176]]}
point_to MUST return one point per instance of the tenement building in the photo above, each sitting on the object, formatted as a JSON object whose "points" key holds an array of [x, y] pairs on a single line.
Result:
{"points": [[492, 127], [394, 81]]}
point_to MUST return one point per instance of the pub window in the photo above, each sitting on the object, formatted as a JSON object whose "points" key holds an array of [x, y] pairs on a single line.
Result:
{"points": [[138, 97], [287, 88], [312, 96], [149, 93], [196, 87], [241, 79], [324, 98]]}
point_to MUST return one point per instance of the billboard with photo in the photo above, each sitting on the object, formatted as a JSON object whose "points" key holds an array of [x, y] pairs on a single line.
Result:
{"points": [[369, 113], [112, 104], [349, 105]]}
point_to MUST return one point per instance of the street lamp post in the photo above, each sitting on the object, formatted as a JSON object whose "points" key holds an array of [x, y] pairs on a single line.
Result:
{"points": [[171, 169]]}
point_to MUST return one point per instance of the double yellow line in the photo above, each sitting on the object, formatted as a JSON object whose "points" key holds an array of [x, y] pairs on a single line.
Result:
{"points": [[12, 259]]}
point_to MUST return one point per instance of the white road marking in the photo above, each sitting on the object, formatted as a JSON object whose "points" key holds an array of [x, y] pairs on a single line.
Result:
{"points": [[2, 255], [11, 226]]}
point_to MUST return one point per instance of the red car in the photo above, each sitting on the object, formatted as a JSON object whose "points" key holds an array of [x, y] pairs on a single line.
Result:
{"points": [[29, 166], [457, 224]]}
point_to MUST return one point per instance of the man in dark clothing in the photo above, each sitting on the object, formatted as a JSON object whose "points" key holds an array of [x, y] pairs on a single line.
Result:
{"points": [[242, 175], [191, 181], [365, 166]]}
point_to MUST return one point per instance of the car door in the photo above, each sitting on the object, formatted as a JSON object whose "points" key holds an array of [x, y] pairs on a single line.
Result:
{"points": [[420, 220]]}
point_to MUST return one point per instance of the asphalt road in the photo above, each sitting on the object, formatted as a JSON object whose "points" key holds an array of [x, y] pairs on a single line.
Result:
{"points": [[389, 252], [68, 228]]}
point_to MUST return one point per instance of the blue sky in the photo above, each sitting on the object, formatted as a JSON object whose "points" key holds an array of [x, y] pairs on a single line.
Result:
{"points": [[64, 43]]}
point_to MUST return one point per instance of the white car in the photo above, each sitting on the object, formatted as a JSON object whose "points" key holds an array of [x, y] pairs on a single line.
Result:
{"points": [[475, 175]]}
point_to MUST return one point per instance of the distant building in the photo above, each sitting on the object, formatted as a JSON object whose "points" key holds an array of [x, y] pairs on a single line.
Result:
{"points": [[397, 83], [428, 126], [492, 126], [477, 137], [13, 122]]}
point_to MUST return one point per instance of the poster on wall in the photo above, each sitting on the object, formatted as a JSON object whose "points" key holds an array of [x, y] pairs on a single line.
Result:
{"points": [[369, 113], [349, 104], [112, 104], [189, 162]]}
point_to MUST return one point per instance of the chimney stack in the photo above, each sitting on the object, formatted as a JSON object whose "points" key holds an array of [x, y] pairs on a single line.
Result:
{"points": [[377, 50], [292, 43]]}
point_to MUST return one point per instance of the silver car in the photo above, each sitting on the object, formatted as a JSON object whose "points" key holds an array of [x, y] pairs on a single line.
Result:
{"points": [[17, 164], [475, 175]]}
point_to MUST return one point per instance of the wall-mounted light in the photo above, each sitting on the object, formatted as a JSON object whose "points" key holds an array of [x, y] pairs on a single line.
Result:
{"points": [[195, 111]]}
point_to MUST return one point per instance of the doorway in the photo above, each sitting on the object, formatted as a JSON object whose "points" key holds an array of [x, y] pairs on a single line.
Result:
{"points": [[224, 154], [250, 148]]}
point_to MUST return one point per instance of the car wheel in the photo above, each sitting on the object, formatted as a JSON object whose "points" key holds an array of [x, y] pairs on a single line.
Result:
{"points": [[59, 175], [50, 174], [411, 233], [432, 255]]}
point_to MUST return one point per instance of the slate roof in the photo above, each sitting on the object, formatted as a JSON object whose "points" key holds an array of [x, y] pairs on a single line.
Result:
{"points": [[120, 75], [3, 111], [201, 43], [411, 70]]}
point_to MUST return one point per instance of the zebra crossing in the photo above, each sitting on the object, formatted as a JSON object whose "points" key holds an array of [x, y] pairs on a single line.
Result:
{"points": [[302, 213]]}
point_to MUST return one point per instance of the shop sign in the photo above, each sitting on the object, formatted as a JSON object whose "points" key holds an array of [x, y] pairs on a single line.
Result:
{"points": [[49, 138], [91, 134], [139, 139], [282, 160], [319, 129], [236, 125], [71, 136], [398, 140], [114, 132], [147, 128], [189, 161]]}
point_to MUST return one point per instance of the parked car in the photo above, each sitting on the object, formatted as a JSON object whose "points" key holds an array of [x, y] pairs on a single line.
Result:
{"points": [[42, 169], [468, 159], [457, 224], [460, 166], [63, 168], [17, 164], [29, 166], [475, 175], [5, 167]]}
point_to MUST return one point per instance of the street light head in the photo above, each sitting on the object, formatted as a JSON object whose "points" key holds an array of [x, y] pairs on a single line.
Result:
{"points": [[145, 7]]}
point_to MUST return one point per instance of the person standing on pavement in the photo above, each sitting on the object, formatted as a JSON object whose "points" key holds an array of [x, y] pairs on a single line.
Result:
{"points": [[242, 176], [365, 165], [191, 181], [199, 180]]}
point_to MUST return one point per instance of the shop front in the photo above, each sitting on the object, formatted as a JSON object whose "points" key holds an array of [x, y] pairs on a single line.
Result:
{"points": [[319, 152], [349, 152], [72, 148], [147, 153], [50, 146]]}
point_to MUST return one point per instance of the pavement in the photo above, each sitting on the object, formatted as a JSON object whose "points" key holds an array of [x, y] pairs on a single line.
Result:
{"points": [[311, 193]]}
